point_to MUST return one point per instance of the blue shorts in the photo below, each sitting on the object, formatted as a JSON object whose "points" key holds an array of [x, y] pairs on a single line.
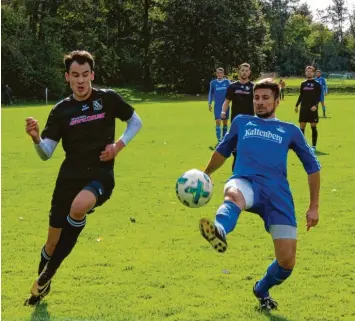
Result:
{"points": [[217, 112], [271, 200]]}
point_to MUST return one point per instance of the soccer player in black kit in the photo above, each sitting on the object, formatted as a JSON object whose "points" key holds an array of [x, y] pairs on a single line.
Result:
{"points": [[241, 95], [309, 97], [85, 121]]}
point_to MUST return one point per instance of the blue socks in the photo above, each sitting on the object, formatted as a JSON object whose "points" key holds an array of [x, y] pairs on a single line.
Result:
{"points": [[218, 133], [324, 109], [227, 216], [275, 275], [225, 129]]}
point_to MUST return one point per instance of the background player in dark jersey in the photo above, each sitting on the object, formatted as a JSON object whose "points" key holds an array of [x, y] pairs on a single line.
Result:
{"points": [[240, 93], [259, 185], [85, 121], [310, 93]]}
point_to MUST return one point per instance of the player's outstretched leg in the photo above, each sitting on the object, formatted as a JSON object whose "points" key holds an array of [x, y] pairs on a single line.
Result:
{"points": [[226, 218], [73, 226], [281, 268]]}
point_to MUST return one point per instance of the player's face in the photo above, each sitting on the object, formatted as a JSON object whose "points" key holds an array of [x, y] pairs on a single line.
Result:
{"points": [[244, 73], [265, 103], [79, 79], [220, 74], [309, 73], [318, 74]]}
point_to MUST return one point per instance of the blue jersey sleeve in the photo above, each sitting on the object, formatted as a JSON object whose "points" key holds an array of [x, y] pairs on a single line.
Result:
{"points": [[210, 93], [230, 140], [304, 152]]}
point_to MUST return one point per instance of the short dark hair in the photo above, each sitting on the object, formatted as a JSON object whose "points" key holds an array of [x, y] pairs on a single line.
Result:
{"points": [[244, 64], [310, 67], [81, 57], [220, 69], [268, 83]]}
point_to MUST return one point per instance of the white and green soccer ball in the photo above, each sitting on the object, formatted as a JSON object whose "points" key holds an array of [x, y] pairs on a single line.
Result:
{"points": [[194, 188]]}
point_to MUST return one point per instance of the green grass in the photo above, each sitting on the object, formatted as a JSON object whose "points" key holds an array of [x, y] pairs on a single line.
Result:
{"points": [[159, 268]]}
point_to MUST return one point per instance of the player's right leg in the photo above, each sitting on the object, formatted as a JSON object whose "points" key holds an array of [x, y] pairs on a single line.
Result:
{"points": [[218, 129], [238, 195]]}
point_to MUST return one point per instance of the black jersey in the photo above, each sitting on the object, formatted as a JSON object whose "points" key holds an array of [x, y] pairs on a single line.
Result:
{"points": [[86, 127], [310, 93], [241, 96]]}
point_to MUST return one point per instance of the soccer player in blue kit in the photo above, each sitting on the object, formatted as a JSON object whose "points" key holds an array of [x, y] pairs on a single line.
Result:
{"points": [[323, 83], [259, 185], [218, 88]]}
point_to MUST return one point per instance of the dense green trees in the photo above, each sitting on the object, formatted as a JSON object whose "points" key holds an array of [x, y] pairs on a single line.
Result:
{"points": [[175, 44]]}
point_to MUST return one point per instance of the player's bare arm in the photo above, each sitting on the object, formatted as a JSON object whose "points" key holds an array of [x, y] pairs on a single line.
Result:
{"points": [[216, 161], [314, 187], [225, 108]]}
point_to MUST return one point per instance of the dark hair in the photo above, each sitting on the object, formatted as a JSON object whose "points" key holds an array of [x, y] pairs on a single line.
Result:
{"points": [[244, 64], [268, 83], [81, 57], [310, 67], [220, 69]]}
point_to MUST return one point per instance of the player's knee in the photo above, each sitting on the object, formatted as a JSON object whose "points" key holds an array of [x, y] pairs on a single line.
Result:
{"points": [[78, 209], [218, 122], [235, 195], [287, 262]]}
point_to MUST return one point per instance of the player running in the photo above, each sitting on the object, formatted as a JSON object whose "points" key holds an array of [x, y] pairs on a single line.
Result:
{"points": [[323, 83], [310, 93], [85, 121], [218, 88], [259, 185], [240, 93]]}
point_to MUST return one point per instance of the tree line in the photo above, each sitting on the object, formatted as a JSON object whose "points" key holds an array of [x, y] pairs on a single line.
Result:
{"points": [[172, 45]]}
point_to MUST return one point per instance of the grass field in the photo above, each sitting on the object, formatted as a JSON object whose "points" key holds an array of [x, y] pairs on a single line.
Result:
{"points": [[159, 268]]}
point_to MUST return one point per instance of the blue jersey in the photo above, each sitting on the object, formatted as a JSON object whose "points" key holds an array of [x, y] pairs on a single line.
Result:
{"points": [[262, 146], [217, 91], [323, 83]]}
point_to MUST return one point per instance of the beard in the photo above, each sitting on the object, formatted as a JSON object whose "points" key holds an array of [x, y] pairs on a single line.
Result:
{"points": [[266, 114]]}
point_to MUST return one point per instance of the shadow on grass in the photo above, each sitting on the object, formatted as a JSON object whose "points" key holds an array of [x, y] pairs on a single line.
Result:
{"points": [[319, 153], [40, 313], [271, 316]]}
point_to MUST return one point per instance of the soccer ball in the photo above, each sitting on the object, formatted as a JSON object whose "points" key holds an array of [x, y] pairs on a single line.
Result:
{"points": [[194, 188]]}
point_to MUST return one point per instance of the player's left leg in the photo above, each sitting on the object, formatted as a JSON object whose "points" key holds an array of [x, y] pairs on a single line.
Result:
{"points": [[324, 109], [218, 130], [314, 135], [238, 195], [280, 269]]}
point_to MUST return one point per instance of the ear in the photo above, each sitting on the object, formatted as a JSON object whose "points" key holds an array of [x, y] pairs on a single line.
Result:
{"points": [[92, 76], [277, 102], [67, 77]]}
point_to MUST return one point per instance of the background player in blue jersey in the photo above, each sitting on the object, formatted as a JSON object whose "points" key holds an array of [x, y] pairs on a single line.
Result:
{"points": [[259, 184], [323, 83], [218, 88]]}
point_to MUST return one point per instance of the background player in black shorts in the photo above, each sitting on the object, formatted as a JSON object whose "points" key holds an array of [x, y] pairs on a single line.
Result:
{"points": [[85, 121], [309, 97], [241, 95]]}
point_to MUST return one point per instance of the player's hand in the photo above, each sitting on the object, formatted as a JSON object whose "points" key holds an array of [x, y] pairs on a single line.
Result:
{"points": [[312, 218], [209, 107], [32, 129], [223, 115], [296, 110], [111, 151], [314, 108]]}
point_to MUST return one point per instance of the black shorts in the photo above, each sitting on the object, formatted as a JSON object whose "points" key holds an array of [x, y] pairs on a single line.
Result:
{"points": [[101, 184], [308, 116]]}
